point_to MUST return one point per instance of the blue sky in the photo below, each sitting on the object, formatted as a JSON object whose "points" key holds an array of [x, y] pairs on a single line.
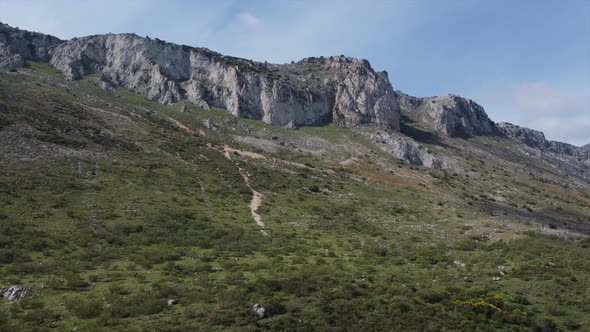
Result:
{"points": [[526, 61]]}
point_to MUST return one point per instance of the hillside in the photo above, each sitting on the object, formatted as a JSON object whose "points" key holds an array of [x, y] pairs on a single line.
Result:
{"points": [[128, 208]]}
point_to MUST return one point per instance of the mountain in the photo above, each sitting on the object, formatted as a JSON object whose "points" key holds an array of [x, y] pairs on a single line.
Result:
{"points": [[151, 186], [449, 115], [312, 91]]}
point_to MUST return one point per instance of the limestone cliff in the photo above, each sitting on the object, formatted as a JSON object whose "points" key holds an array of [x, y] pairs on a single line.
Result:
{"points": [[17, 46], [530, 137], [576, 157], [449, 115], [314, 91]]}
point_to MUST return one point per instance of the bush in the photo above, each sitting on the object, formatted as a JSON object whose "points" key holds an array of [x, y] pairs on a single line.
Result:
{"points": [[73, 281], [84, 306], [38, 316], [431, 296], [136, 305], [273, 306], [314, 189]]}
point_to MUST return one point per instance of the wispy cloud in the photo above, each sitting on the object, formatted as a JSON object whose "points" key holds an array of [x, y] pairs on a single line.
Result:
{"points": [[248, 18], [538, 98], [562, 114]]}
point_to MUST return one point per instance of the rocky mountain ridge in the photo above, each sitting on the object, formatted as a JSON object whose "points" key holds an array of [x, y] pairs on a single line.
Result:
{"points": [[314, 91], [536, 140], [449, 115], [17, 46]]}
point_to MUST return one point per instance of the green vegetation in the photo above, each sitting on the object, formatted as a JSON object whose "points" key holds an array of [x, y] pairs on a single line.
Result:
{"points": [[108, 210], [43, 67]]}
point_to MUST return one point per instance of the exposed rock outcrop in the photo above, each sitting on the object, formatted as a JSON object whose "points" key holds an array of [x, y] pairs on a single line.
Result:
{"points": [[576, 158], [17, 46], [209, 124], [450, 115], [404, 148], [341, 90], [13, 293], [536, 140], [185, 109], [314, 91], [533, 138], [568, 150], [259, 311]]}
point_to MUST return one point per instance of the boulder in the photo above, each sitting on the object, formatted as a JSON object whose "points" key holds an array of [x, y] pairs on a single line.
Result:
{"points": [[209, 124], [185, 109], [259, 311], [13, 293], [290, 126]]}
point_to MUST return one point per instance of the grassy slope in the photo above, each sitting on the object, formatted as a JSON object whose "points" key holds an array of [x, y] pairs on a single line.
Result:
{"points": [[132, 211]]}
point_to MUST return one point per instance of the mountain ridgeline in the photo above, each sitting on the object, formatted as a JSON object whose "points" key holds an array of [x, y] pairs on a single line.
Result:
{"points": [[340, 90]]}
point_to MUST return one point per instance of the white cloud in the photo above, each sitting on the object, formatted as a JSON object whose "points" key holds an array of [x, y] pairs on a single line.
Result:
{"points": [[562, 114], [538, 98], [248, 18]]}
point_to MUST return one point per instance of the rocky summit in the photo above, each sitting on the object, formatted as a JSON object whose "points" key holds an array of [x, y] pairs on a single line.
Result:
{"points": [[340, 90], [450, 115], [313, 91], [149, 186]]}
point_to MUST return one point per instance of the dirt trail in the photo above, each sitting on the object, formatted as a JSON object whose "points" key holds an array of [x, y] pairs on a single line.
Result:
{"points": [[183, 127], [100, 110], [256, 201], [228, 151]]}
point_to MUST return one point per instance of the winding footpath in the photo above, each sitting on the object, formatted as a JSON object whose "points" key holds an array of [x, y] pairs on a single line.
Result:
{"points": [[256, 201]]}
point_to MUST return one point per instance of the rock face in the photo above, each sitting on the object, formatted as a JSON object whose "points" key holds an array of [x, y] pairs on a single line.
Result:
{"points": [[536, 140], [577, 157], [13, 293], [564, 149], [17, 45], [404, 148], [532, 138], [314, 91], [450, 115], [342, 90]]}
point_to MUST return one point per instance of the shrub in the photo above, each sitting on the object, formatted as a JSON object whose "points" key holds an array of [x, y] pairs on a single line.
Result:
{"points": [[84, 306], [431, 296], [273, 306], [314, 189], [73, 281]]}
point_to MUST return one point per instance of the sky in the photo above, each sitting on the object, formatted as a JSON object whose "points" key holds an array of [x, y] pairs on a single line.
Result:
{"points": [[526, 61]]}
